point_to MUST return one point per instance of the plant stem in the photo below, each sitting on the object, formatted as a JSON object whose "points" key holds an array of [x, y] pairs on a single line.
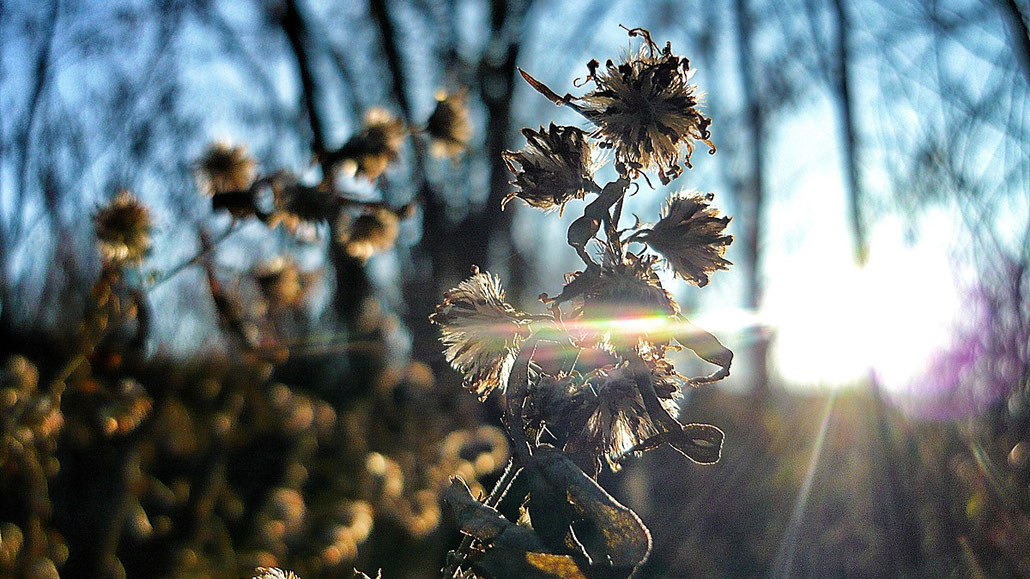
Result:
{"points": [[492, 500], [233, 228]]}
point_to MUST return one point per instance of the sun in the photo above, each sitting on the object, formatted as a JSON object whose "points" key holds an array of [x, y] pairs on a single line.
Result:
{"points": [[836, 326]]}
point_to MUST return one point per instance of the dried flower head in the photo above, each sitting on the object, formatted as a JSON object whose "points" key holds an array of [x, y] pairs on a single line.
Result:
{"points": [[481, 332], [627, 284], [664, 377], [691, 236], [618, 420], [372, 232], [554, 167], [644, 107], [372, 149], [280, 282], [225, 168], [123, 229], [296, 204], [449, 127], [274, 573]]}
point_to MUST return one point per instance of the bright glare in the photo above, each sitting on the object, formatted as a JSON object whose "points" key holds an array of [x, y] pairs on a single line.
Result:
{"points": [[834, 326]]}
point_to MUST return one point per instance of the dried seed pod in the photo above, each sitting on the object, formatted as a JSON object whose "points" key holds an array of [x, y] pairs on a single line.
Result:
{"points": [[297, 206], [647, 110], [644, 108], [274, 573], [369, 152], [280, 281], [225, 168], [374, 231]]}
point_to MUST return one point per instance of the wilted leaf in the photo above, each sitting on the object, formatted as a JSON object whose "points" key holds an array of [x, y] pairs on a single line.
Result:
{"points": [[701, 443], [473, 517], [708, 348], [553, 565], [624, 540]]}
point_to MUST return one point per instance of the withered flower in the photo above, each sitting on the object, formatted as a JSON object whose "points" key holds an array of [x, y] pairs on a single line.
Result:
{"points": [[372, 232], [449, 127], [691, 236], [123, 229], [481, 332], [622, 300], [628, 282], [274, 573], [618, 420], [554, 167], [280, 282], [296, 204], [646, 109], [371, 150], [225, 168], [663, 377]]}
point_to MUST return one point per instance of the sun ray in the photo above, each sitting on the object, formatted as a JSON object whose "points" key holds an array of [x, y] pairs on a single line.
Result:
{"points": [[788, 545]]}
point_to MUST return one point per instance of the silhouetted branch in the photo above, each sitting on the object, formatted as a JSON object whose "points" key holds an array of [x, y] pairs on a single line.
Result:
{"points": [[296, 31], [1017, 21]]}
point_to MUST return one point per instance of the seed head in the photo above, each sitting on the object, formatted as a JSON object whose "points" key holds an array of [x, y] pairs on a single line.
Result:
{"points": [[123, 229], [372, 232], [274, 573], [280, 281], [449, 127], [225, 168], [371, 150], [626, 287], [296, 204], [646, 109], [481, 332], [554, 167], [692, 237], [618, 421]]}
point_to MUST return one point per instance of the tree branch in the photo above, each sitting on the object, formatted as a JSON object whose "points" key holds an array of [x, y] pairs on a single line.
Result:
{"points": [[296, 31], [387, 34]]}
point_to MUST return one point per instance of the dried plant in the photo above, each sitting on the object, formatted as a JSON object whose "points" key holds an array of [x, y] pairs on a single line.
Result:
{"points": [[123, 228], [122, 462], [449, 127], [588, 383]]}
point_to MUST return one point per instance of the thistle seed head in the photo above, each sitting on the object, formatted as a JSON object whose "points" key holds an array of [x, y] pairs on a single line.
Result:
{"points": [[225, 168], [374, 231], [618, 421], [274, 573], [370, 151], [627, 284], [296, 204], [280, 282]]}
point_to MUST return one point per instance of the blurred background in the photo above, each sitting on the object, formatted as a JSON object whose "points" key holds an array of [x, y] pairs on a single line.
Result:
{"points": [[873, 155]]}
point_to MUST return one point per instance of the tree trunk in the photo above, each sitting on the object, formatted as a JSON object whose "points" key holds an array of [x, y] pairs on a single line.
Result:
{"points": [[753, 191], [841, 86]]}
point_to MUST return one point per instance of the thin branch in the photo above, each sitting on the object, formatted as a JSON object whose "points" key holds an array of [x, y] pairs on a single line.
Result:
{"points": [[1019, 30], [296, 31], [388, 37], [42, 69]]}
